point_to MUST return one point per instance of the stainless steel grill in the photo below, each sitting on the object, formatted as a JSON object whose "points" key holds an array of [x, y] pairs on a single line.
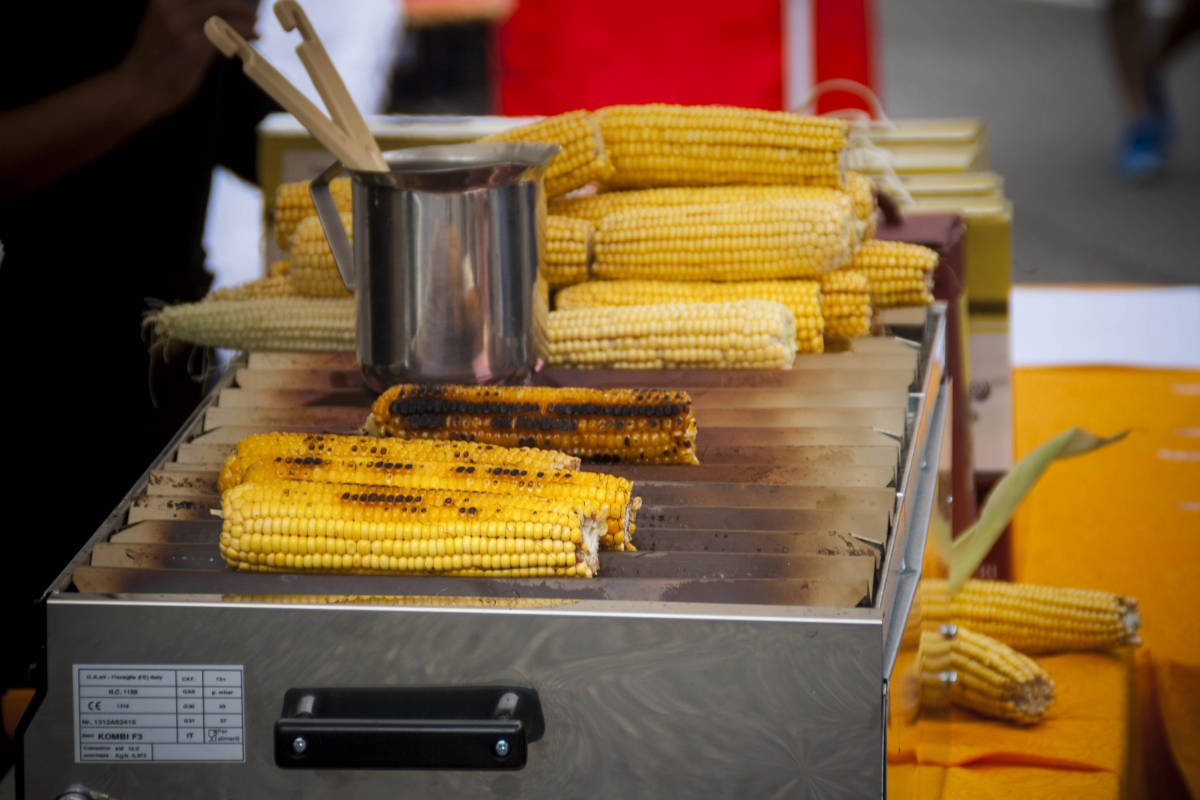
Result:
{"points": [[747, 646]]}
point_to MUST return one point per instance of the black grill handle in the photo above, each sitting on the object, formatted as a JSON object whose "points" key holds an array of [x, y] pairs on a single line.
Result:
{"points": [[423, 727]]}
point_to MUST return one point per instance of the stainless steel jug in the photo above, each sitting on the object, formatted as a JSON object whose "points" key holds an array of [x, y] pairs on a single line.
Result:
{"points": [[444, 261]]}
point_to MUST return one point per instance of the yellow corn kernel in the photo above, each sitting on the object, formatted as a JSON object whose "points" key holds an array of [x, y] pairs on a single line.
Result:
{"points": [[289, 323], [568, 251], [582, 159], [669, 145], [314, 272], [724, 241], [899, 273]]}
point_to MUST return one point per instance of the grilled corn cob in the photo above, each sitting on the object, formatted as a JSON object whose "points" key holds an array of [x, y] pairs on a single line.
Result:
{"points": [[582, 159], [899, 273], [974, 671], [293, 203], [270, 447], [846, 303], [746, 334], [273, 323], [803, 299], [608, 493], [1034, 619], [725, 241], [313, 270], [669, 145], [330, 527], [600, 425]]}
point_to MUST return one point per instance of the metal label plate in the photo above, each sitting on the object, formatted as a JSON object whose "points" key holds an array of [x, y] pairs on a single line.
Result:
{"points": [[159, 712]]}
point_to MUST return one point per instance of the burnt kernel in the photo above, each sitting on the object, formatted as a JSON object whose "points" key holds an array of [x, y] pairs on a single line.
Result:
{"points": [[449, 501], [373, 498], [416, 499], [408, 466], [472, 510], [627, 442], [354, 497], [470, 470], [541, 474], [279, 458], [460, 469], [524, 473], [345, 495], [462, 510], [391, 498]]}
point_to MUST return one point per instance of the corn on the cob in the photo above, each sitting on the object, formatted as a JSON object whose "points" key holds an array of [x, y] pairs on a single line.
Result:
{"points": [[670, 145], [611, 495], [568, 251], [745, 334], [846, 303], [275, 285], [291, 323], [293, 204], [803, 299], [313, 271], [866, 204], [582, 159], [330, 527], [899, 273], [724, 241], [956, 665], [601, 425], [1031, 618], [268, 447]]}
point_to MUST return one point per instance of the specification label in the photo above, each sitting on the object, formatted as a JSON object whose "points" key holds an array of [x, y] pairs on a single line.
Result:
{"points": [[159, 712]]}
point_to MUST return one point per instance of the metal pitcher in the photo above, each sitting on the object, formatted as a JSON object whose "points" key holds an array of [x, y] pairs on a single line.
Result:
{"points": [[444, 262]]}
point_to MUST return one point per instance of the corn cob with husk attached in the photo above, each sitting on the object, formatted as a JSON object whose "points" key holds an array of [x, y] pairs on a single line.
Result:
{"points": [[612, 495], [670, 145], [294, 204], [763, 240], [1031, 618], [802, 298], [900, 273], [276, 526], [598, 425], [267, 447], [285, 324], [746, 334], [956, 665], [582, 159], [846, 303]]}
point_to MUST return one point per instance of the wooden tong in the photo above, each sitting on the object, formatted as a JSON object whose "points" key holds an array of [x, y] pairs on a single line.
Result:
{"points": [[347, 136]]}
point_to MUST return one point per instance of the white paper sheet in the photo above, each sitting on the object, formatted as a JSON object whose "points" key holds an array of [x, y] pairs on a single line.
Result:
{"points": [[1136, 327]]}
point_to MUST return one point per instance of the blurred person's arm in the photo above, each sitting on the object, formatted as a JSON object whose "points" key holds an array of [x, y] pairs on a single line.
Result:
{"points": [[58, 134]]}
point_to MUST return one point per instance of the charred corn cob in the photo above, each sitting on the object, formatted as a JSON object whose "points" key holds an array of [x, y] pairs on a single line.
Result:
{"points": [[600, 425], [1034, 619], [801, 297], [568, 251], [293, 203], [900, 273], [846, 303], [287, 323], [724, 241], [269, 447], [313, 271], [974, 671], [582, 159], [670, 145], [746, 334], [608, 493], [330, 527]]}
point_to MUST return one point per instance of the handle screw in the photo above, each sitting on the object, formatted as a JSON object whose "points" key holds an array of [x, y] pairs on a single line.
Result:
{"points": [[299, 745], [501, 748]]}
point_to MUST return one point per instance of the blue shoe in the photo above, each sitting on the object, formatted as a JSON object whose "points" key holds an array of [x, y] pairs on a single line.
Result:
{"points": [[1143, 152]]}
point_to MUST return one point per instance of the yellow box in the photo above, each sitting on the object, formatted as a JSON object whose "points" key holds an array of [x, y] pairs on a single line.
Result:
{"points": [[987, 246]]}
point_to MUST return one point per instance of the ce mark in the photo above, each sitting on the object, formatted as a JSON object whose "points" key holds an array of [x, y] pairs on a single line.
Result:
{"points": [[93, 705]]}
